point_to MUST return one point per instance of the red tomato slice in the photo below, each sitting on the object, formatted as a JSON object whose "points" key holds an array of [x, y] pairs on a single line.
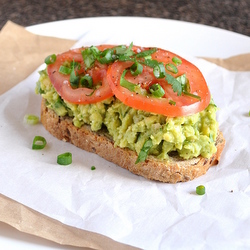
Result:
{"points": [[184, 105], [80, 95]]}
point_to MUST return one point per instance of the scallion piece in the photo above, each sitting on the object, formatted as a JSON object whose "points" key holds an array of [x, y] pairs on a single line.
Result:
{"points": [[74, 79], [146, 53], [39, 142], [157, 90], [86, 81], [192, 95], [93, 168], [64, 159], [150, 63], [144, 151], [106, 57], [176, 60], [89, 56], [126, 84], [50, 59], [64, 70], [171, 68], [171, 102], [31, 119], [200, 190], [123, 50], [136, 69], [159, 71]]}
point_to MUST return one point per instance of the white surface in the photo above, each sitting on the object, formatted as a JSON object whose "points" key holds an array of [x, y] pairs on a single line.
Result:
{"points": [[176, 36], [12, 239], [170, 215]]}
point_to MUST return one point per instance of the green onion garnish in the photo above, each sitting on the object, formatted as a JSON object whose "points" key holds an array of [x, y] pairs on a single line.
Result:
{"points": [[171, 68], [176, 60], [159, 70], [39, 142], [171, 102], [192, 95], [123, 50], [136, 69], [64, 159], [50, 59], [157, 90], [146, 53], [86, 81], [106, 56], [93, 168], [89, 56], [200, 190], [126, 84], [64, 70], [74, 79], [184, 82], [150, 63], [31, 119], [144, 151]]}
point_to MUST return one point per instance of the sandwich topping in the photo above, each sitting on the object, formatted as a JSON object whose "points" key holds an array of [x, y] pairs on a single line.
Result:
{"points": [[149, 100]]}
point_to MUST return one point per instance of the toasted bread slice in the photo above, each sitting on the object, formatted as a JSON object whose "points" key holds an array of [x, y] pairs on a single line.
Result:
{"points": [[173, 170]]}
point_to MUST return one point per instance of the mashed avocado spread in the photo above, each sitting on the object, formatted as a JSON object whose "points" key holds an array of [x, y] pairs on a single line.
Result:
{"points": [[190, 136]]}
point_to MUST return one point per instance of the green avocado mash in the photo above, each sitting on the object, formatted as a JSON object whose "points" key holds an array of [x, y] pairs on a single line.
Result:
{"points": [[190, 136]]}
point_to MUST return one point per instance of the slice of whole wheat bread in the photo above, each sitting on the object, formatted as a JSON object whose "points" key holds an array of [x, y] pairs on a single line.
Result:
{"points": [[173, 170]]}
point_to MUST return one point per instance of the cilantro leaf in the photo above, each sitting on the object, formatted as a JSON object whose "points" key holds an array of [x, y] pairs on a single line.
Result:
{"points": [[176, 85]]}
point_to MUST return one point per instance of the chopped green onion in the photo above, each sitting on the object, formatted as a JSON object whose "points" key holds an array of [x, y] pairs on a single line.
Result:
{"points": [[200, 190], [249, 113], [64, 70], [50, 59], [74, 79], [91, 92], [184, 82], [123, 50], [176, 60], [39, 142], [93, 168], [159, 70], [64, 159], [171, 68], [89, 56], [150, 63], [106, 56], [192, 95], [31, 119], [157, 90], [86, 81], [126, 84], [124, 58], [146, 53], [144, 151], [136, 69], [171, 102]]}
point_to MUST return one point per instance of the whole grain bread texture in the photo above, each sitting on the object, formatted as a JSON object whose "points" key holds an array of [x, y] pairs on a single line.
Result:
{"points": [[173, 170]]}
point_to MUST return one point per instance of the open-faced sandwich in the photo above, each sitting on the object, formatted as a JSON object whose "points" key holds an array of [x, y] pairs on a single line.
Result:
{"points": [[145, 109]]}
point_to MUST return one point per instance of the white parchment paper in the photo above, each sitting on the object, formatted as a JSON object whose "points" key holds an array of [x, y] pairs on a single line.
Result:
{"points": [[123, 206]]}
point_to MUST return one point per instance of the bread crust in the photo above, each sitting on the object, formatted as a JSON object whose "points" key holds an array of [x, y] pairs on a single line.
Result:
{"points": [[173, 170]]}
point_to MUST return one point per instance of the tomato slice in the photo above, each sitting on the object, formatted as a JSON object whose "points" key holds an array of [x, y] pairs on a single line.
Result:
{"points": [[170, 104], [81, 95]]}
